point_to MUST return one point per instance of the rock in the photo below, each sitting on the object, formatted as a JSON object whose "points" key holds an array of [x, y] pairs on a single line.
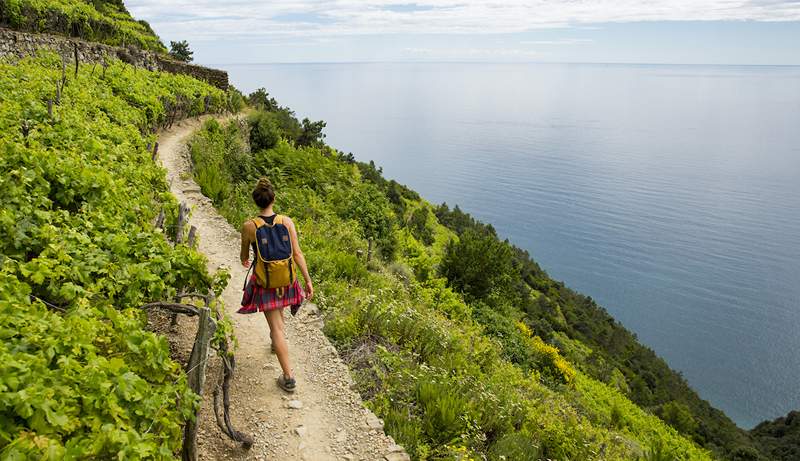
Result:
{"points": [[311, 309], [295, 404], [300, 431], [373, 422], [395, 448], [397, 457]]}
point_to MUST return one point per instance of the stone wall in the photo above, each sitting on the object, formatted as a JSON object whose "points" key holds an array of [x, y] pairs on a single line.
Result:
{"points": [[20, 44]]}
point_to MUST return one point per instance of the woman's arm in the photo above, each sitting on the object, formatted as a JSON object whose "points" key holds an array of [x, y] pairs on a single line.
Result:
{"points": [[248, 230], [299, 259]]}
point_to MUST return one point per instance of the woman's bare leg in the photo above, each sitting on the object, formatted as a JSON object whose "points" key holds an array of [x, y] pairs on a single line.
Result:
{"points": [[276, 333]]}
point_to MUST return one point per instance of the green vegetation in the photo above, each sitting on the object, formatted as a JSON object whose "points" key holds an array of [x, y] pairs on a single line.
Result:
{"points": [[80, 377], [180, 51], [434, 326], [780, 438], [105, 21], [582, 330]]}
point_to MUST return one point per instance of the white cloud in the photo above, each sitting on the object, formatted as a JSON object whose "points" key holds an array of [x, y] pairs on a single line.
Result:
{"points": [[209, 19], [562, 41]]}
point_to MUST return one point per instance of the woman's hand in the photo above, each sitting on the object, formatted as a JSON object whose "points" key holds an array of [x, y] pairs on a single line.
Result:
{"points": [[309, 290], [246, 264]]}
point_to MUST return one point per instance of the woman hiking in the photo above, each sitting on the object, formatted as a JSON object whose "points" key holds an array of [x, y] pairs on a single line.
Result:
{"points": [[273, 284]]}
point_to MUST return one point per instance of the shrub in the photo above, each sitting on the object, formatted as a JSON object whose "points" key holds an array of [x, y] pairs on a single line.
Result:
{"points": [[264, 131], [516, 446]]}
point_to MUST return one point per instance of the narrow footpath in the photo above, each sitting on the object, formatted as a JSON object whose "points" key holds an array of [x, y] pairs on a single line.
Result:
{"points": [[324, 419]]}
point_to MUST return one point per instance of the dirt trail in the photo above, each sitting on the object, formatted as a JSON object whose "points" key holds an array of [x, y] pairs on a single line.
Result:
{"points": [[332, 423]]}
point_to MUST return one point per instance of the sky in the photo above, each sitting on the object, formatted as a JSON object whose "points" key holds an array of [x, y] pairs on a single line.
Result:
{"points": [[764, 32]]}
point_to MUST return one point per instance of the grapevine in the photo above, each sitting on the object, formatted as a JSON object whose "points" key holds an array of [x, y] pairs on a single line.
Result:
{"points": [[80, 376]]}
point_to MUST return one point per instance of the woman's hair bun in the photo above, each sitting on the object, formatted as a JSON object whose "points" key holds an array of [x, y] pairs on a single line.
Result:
{"points": [[263, 194], [264, 183]]}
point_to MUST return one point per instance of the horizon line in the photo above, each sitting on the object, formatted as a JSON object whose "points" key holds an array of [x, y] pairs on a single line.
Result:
{"points": [[500, 62]]}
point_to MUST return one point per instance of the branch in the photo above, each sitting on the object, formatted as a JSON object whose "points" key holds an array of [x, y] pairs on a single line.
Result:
{"points": [[173, 307], [224, 420]]}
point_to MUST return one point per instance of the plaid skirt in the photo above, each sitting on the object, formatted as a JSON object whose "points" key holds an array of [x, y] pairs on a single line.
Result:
{"points": [[258, 299]]}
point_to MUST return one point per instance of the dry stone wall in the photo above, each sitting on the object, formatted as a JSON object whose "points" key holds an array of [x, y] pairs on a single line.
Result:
{"points": [[16, 44]]}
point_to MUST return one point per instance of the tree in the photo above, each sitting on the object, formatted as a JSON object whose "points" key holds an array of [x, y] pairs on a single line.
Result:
{"points": [[418, 224], [260, 99], [180, 51], [478, 264], [369, 207], [264, 131], [312, 135], [679, 416]]}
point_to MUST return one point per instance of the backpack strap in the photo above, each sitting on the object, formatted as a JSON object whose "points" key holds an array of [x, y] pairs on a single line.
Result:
{"points": [[259, 223], [280, 219]]}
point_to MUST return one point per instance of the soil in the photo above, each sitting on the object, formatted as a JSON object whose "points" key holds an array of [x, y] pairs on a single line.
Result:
{"points": [[325, 418]]}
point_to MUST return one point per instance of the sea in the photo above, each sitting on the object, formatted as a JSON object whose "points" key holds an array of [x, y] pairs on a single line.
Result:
{"points": [[668, 193]]}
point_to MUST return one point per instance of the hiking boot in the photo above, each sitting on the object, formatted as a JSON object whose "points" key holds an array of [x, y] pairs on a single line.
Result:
{"points": [[287, 384]]}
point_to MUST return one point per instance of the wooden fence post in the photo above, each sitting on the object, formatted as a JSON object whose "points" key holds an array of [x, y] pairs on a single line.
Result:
{"points": [[183, 211], [192, 236], [196, 376], [160, 220]]}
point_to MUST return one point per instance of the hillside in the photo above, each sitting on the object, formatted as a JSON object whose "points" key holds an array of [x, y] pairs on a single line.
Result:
{"points": [[104, 21], [80, 376], [463, 345], [452, 377], [780, 438]]}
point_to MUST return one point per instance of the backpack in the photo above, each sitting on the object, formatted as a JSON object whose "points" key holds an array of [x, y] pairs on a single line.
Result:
{"points": [[273, 254]]}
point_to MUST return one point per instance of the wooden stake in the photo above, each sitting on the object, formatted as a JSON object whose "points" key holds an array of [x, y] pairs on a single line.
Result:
{"points": [[192, 232], [182, 215], [155, 151], [77, 59], [63, 72], [160, 220], [196, 376]]}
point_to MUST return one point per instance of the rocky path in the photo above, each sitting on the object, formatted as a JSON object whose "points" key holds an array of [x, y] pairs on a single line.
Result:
{"points": [[324, 419]]}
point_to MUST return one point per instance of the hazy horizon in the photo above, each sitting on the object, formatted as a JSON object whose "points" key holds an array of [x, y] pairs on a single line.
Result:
{"points": [[716, 32]]}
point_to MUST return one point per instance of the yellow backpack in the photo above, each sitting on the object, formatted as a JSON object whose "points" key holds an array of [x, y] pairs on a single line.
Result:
{"points": [[273, 253]]}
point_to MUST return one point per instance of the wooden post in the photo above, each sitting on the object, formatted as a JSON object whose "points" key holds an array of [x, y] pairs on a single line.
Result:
{"points": [[77, 58], [155, 151], [196, 376], [182, 215], [160, 220], [50, 108], [63, 72], [192, 234], [369, 250]]}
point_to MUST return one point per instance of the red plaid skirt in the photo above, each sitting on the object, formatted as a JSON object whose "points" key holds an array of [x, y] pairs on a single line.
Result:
{"points": [[258, 299]]}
